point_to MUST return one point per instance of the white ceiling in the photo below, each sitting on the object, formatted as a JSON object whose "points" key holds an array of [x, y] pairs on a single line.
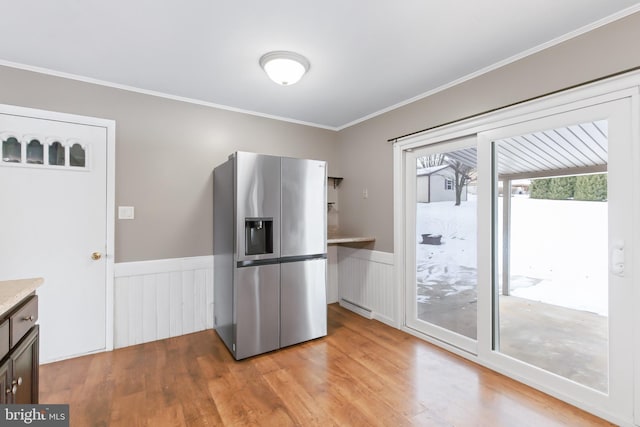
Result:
{"points": [[366, 56]]}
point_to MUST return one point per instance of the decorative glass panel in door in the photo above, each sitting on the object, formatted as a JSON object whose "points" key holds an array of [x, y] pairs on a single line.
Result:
{"points": [[443, 232]]}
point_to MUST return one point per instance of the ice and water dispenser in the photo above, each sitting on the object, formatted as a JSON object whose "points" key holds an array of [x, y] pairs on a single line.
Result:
{"points": [[258, 236]]}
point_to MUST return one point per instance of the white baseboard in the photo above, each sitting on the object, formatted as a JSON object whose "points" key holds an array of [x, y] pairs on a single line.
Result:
{"points": [[362, 311]]}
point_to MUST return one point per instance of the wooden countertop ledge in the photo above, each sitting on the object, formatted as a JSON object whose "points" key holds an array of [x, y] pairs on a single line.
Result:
{"points": [[13, 291], [336, 239]]}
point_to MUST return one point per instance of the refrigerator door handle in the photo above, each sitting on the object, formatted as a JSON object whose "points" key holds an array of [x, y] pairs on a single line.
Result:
{"points": [[302, 258], [257, 262]]}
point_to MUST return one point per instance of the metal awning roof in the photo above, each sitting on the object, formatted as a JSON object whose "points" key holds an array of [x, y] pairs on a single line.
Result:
{"points": [[570, 150], [431, 170]]}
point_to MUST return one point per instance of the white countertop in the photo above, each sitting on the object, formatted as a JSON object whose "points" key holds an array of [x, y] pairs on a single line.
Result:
{"points": [[14, 291]]}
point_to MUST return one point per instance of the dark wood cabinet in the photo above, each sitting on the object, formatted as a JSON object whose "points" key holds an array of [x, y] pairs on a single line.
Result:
{"points": [[19, 367], [25, 368], [5, 380]]}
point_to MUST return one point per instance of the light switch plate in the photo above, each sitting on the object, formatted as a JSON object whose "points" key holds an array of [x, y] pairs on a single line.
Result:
{"points": [[126, 212]]}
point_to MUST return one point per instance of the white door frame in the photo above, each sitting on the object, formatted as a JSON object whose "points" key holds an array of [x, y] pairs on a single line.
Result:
{"points": [[110, 126], [623, 86]]}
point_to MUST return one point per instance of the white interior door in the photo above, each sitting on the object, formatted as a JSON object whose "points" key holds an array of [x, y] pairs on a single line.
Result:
{"points": [[54, 222]]}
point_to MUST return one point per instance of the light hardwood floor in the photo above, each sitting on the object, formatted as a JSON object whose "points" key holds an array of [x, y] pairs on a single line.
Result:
{"points": [[363, 373]]}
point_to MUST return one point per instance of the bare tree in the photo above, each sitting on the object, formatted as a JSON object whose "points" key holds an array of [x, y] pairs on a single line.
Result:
{"points": [[430, 161], [463, 174]]}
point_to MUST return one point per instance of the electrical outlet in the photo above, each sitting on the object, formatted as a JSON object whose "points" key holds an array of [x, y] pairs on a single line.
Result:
{"points": [[365, 193]]}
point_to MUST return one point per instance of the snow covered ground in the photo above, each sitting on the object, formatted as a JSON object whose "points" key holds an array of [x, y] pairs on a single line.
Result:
{"points": [[453, 263], [558, 251]]}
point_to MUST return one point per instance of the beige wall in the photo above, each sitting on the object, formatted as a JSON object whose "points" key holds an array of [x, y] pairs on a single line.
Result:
{"points": [[166, 149], [367, 159], [165, 154]]}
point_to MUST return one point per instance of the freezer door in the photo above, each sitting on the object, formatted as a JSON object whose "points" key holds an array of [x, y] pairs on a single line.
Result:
{"points": [[303, 313], [257, 310], [304, 207], [257, 202]]}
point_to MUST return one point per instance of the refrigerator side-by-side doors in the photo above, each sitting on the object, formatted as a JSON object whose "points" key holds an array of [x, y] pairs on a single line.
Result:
{"points": [[257, 310], [303, 310], [257, 242], [270, 252], [257, 207], [303, 301], [304, 207]]}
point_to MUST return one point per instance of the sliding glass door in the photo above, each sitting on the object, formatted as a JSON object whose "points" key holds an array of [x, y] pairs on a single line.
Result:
{"points": [[442, 298], [518, 246], [552, 246], [562, 204]]}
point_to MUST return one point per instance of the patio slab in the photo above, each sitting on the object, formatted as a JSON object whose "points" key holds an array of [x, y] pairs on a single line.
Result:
{"points": [[567, 342]]}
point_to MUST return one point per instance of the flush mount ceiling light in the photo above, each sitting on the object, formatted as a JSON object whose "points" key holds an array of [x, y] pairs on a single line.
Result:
{"points": [[284, 68]]}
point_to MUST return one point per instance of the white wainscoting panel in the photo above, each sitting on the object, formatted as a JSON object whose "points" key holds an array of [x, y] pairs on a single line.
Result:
{"points": [[366, 283], [332, 274], [162, 298]]}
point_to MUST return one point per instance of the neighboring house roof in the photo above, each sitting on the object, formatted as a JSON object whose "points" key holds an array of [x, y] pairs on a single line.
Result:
{"points": [[431, 170]]}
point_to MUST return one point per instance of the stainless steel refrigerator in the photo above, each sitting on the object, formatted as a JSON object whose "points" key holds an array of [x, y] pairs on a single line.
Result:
{"points": [[270, 245]]}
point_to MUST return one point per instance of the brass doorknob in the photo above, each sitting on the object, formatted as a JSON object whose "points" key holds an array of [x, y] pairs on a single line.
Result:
{"points": [[96, 256]]}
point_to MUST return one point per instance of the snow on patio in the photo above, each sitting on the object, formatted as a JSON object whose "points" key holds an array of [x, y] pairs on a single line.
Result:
{"points": [[558, 251]]}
